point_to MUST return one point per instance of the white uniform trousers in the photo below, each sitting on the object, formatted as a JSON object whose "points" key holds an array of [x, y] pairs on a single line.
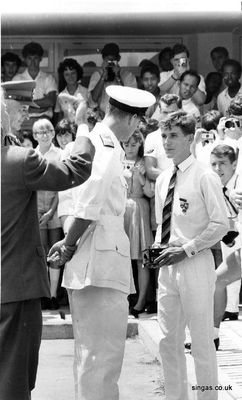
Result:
{"points": [[99, 318], [185, 297]]}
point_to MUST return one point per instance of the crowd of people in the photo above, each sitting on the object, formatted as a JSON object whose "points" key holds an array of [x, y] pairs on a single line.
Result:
{"points": [[170, 115]]}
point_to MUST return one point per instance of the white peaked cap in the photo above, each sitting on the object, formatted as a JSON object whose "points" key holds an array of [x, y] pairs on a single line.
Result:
{"points": [[131, 100]]}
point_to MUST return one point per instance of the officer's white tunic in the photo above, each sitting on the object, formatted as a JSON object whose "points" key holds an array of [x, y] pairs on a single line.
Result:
{"points": [[98, 276]]}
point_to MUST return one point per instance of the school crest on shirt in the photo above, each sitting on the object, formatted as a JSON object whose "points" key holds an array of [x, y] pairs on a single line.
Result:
{"points": [[184, 205]]}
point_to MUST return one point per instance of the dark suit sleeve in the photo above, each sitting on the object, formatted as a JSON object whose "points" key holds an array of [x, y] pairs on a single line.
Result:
{"points": [[40, 174]]}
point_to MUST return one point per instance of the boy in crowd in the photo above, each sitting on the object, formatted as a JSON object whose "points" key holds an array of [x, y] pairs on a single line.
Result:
{"points": [[231, 71], [189, 83], [46, 89], [149, 79], [218, 56], [169, 80], [223, 161], [186, 194], [110, 74], [10, 63]]}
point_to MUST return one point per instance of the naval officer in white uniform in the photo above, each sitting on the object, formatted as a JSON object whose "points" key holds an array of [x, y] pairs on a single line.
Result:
{"points": [[98, 277]]}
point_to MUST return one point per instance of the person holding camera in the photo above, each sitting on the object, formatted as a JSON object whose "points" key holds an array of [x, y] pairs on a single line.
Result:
{"points": [[191, 213], [170, 80], [110, 74]]}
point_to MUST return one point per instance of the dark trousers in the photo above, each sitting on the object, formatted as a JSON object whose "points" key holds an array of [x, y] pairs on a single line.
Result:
{"points": [[20, 336]]}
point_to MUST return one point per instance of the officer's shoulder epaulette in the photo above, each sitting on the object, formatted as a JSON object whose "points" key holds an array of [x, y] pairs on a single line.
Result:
{"points": [[107, 140]]}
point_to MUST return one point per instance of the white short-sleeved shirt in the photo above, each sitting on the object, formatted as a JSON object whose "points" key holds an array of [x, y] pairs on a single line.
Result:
{"points": [[199, 217], [176, 87], [223, 101], [128, 80], [45, 83], [154, 148], [63, 104], [103, 255]]}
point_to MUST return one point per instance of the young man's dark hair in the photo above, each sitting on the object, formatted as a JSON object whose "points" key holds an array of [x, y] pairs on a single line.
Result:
{"points": [[210, 120], [179, 48], [170, 98], [151, 68], [12, 57], [235, 107], [191, 73], [233, 63], [223, 150], [221, 50], [111, 49], [32, 49], [181, 119]]}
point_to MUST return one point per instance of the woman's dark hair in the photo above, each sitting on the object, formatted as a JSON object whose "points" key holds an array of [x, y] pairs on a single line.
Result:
{"points": [[64, 126], [68, 63]]}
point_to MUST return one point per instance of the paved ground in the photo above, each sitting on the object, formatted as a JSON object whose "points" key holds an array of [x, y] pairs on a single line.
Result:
{"points": [[141, 374]]}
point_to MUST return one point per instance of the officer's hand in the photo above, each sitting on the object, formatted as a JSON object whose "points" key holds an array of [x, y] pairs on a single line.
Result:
{"points": [[81, 113], [59, 253], [171, 255]]}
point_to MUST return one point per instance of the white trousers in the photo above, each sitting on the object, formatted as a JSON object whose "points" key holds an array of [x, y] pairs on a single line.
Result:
{"points": [[185, 297], [99, 318]]}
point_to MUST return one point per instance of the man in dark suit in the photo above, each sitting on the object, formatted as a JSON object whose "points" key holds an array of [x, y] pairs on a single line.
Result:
{"points": [[24, 273]]}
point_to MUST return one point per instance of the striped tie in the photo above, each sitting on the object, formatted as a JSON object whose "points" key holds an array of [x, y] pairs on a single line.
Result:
{"points": [[166, 215]]}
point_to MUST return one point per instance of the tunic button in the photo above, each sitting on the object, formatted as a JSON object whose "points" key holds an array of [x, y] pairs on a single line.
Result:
{"points": [[193, 253]]}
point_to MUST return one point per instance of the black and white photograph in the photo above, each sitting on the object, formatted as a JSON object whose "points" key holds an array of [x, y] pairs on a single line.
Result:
{"points": [[121, 200]]}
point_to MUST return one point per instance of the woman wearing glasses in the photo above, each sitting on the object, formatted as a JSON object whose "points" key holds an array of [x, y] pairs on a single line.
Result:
{"points": [[50, 225]]}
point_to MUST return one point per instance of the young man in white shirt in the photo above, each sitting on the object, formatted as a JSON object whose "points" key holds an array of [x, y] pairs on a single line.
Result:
{"points": [[187, 275], [46, 89], [231, 71], [109, 74], [156, 162], [169, 80], [189, 83], [223, 161]]}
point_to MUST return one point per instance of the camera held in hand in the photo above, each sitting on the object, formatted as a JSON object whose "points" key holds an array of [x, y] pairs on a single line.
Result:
{"points": [[150, 254], [229, 238], [232, 123], [110, 71], [183, 62], [207, 136]]}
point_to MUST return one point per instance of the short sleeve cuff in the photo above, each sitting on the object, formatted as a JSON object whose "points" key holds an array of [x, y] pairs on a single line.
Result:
{"points": [[83, 130], [190, 249], [88, 212]]}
